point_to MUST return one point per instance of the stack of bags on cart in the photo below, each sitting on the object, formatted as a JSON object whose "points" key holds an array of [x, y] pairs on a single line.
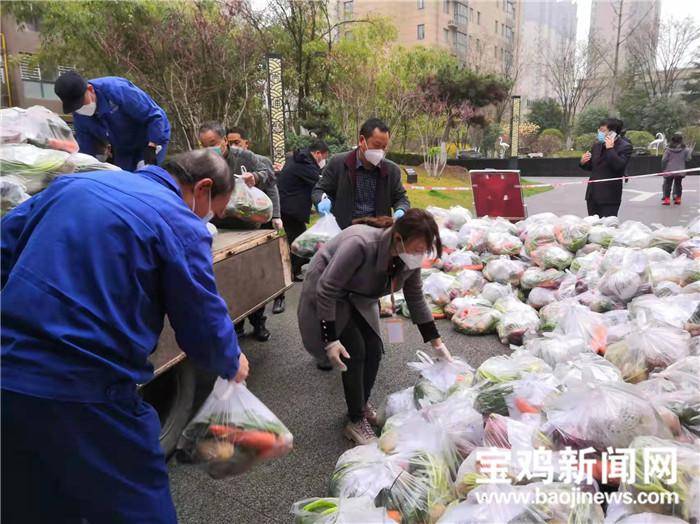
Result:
{"points": [[600, 396], [36, 145]]}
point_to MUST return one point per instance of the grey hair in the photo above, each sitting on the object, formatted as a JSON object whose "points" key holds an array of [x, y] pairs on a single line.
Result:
{"points": [[191, 167], [215, 126]]}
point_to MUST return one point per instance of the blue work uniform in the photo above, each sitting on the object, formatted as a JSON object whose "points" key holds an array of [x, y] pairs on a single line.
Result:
{"points": [[127, 118], [89, 268]]}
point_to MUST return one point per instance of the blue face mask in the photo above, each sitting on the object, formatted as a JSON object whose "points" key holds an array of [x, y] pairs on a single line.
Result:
{"points": [[601, 136], [217, 150]]}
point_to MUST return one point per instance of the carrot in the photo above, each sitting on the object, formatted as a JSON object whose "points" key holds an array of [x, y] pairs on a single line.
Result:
{"points": [[524, 406], [222, 431], [597, 471], [599, 339], [394, 515], [263, 441]]}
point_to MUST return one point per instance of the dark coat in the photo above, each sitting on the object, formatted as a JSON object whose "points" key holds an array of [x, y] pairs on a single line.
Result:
{"points": [[338, 182], [607, 163], [295, 182]]}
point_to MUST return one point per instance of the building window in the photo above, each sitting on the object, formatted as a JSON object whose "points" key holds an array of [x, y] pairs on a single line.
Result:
{"points": [[446, 34], [471, 14], [461, 14], [461, 40], [35, 82], [478, 45], [495, 26], [446, 6], [421, 31], [421, 4], [347, 8], [478, 18], [495, 52]]}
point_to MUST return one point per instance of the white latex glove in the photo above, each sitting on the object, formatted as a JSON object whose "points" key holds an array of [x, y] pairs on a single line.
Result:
{"points": [[277, 224], [441, 351], [334, 351]]}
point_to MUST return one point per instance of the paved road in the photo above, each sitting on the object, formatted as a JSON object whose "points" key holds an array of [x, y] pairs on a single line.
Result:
{"points": [[641, 200], [311, 404]]}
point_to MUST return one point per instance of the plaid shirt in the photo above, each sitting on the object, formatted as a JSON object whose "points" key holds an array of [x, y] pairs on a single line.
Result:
{"points": [[365, 191]]}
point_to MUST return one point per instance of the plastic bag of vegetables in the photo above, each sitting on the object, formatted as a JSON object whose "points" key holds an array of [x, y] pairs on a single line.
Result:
{"points": [[461, 259], [364, 471], [681, 270], [632, 234], [443, 374], [529, 395], [333, 510], [672, 311], [573, 236], [399, 402], [457, 418], [621, 284], [537, 277], [505, 432], [441, 288], [666, 288], [690, 248], [500, 243], [33, 166], [476, 320], [504, 271], [12, 193], [38, 126], [457, 216], [678, 405], [310, 241], [587, 367], [554, 348], [580, 322], [232, 431], [538, 234], [540, 297], [684, 484], [596, 301], [440, 214], [620, 257], [492, 291], [471, 282], [249, 204], [599, 415], [668, 238], [385, 306], [507, 368], [461, 303], [601, 235], [449, 239], [472, 235], [552, 256], [515, 322]]}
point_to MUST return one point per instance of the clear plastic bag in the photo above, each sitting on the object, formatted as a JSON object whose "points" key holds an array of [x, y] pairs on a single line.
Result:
{"points": [[668, 238], [457, 418], [580, 322], [476, 320], [507, 368], [233, 431], [492, 291], [632, 234], [386, 307], [555, 348], [596, 301], [591, 261], [508, 433], [333, 510], [504, 271], [619, 257], [515, 323], [472, 236], [449, 239], [599, 415], [552, 256], [33, 166], [399, 402], [441, 288], [363, 471], [443, 374], [500, 243], [529, 395], [681, 270], [310, 241], [440, 214], [540, 297], [621, 284], [457, 216], [572, 236], [601, 235], [690, 248], [471, 281], [587, 367], [666, 288], [461, 303], [38, 126], [693, 228], [537, 277], [12, 193], [672, 311], [539, 234], [249, 204], [460, 260]]}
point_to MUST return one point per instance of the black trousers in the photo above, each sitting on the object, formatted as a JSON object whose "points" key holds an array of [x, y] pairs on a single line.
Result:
{"points": [[293, 227], [365, 349], [673, 181], [602, 210]]}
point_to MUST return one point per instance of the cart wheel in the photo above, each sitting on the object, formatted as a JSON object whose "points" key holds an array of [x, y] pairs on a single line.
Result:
{"points": [[172, 396]]}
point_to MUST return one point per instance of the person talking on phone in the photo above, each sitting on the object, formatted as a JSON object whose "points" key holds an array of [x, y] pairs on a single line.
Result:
{"points": [[338, 310], [607, 158]]}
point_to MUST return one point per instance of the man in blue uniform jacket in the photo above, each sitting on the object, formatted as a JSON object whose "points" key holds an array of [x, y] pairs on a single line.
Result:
{"points": [[112, 110], [89, 269]]}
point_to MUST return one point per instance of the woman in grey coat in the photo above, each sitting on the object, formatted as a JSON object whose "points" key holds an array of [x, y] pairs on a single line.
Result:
{"points": [[339, 309], [674, 159]]}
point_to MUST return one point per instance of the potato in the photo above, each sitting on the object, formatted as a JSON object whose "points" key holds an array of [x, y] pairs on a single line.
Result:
{"points": [[214, 450]]}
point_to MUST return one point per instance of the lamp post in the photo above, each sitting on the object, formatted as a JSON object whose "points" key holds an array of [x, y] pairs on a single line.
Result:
{"points": [[514, 132], [275, 97]]}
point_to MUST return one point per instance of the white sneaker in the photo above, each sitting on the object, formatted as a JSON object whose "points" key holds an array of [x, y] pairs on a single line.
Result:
{"points": [[360, 432]]}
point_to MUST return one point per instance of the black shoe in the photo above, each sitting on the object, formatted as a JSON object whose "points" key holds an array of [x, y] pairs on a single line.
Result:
{"points": [[278, 306], [260, 332], [240, 329]]}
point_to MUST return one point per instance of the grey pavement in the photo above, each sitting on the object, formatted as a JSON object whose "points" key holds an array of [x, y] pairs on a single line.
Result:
{"points": [[310, 402], [641, 200]]}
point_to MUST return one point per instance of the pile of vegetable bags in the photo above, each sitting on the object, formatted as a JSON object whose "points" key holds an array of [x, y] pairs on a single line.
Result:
{"points": [[36, 146], [603, 321]]}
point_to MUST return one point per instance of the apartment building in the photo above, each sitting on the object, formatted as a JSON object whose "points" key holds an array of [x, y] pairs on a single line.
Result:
{"points": [[23, 83], [481, 33], [545, 26]]}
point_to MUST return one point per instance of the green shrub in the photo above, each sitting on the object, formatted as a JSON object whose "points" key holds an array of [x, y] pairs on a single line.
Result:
{"points": [[583, 142], [548, 144], [553, 132], [588, 120], [568, 154], [691, 135], [639, 138], [406, 159]]}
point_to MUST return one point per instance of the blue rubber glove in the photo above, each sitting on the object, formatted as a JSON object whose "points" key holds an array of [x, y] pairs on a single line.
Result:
{"points": [[324, 206], [399, 213]]}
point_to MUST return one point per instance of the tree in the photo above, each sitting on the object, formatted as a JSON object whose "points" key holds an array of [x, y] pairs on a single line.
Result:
{"points": [[639, 138], [657, 63], [588, 120], [572, 71], [692, 86], [665, 115], [546, 113], [196, 59], [548, 144]]}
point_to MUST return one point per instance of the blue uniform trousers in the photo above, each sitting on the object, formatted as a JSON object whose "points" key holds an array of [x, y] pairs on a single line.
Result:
{"points": [[82, 462]]}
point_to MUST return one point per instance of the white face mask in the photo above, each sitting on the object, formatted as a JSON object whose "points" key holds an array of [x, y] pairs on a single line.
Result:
{"points": [[322, 163], [210, 214], [87, 109], [411, 260], [374, 156]]}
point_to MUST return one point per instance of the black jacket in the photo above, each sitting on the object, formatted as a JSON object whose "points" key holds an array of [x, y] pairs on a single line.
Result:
{"points": [[295, 183], [338, 182], [607, 163]]}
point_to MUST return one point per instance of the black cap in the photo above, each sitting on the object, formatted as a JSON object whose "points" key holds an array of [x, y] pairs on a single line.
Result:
{"points": [[70, 87]]}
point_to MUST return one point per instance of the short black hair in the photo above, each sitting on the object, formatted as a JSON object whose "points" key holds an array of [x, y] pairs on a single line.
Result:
{"points": [[213, 125], [613, 124], [239, 131], [318, 145], [370, 125]]}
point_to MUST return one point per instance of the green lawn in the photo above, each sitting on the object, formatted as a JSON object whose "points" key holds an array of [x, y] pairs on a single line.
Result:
{"points": [[453, 176]]}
